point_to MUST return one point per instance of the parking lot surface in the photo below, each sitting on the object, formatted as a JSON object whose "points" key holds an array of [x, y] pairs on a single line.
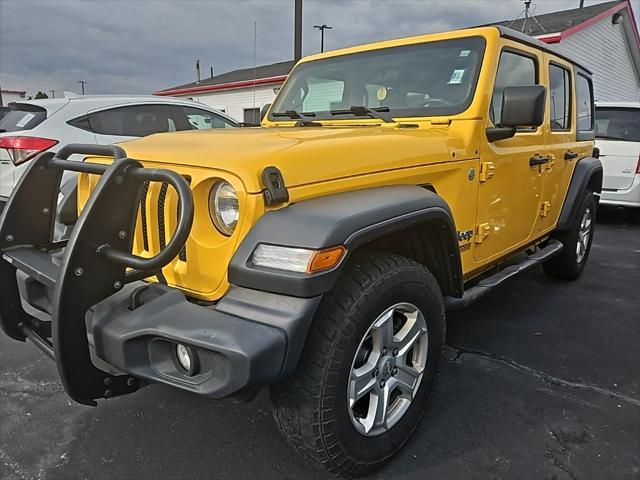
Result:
{"points": [[541, 380]]}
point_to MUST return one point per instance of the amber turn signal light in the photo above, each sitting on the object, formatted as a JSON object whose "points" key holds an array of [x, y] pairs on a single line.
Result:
{"points": [[326, 259]]}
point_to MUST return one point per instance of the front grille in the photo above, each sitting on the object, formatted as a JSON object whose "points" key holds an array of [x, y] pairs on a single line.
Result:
{"points": [[148, 229], [143, 215]]}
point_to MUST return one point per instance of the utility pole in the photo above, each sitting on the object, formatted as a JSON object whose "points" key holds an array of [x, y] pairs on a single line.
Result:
{"points": [[82, 82], [297, 31], [581, 3], [53, 93], [322, 28]]}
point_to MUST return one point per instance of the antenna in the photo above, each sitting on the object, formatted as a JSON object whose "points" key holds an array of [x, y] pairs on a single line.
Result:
{"points": [[255, 37], [527, 16]]}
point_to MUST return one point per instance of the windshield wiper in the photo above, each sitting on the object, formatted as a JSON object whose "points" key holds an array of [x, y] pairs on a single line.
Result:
{"points": [[362, 111], [295, 115], [304, 118]]}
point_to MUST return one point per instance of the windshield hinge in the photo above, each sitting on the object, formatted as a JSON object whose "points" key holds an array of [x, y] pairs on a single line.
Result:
{"points": [[275, 192]]}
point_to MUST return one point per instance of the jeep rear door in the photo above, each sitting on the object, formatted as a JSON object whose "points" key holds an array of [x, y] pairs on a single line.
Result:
{"points": [[508, 199], [570, 107]]}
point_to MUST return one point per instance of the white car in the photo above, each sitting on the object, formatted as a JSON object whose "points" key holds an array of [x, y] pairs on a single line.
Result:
{"points": [[35, 126], [618, 138]]}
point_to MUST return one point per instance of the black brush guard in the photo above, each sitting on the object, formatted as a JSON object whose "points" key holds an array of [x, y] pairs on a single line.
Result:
{"points": [[93, 264]]}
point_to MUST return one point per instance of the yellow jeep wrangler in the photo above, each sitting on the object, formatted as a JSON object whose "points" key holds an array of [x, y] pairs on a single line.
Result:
{"points": [[315, 254]]}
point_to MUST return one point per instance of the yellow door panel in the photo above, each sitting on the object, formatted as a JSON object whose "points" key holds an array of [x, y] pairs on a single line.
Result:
{"points": [[510, 189]]}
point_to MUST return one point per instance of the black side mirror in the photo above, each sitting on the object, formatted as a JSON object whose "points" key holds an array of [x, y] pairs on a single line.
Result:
{"points": [[522, 106], [264, 110]]}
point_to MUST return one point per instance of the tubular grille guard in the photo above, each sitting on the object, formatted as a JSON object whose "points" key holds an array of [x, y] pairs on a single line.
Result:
{"points": [[95, 260]]}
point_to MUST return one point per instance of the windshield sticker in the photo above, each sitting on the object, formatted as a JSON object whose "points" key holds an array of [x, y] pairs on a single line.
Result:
{"points": [[456, 77], [26, 119], [465, 53], [381, 94]]}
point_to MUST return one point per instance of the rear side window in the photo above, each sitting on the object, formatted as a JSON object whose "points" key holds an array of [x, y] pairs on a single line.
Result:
{"points": [[22, 116], [514, 69], [132, 121], [618, 124], [560, 86], [584, 103]]}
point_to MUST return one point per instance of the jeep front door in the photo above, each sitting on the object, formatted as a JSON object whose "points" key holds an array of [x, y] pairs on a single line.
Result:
{"points": [[510, 187]]}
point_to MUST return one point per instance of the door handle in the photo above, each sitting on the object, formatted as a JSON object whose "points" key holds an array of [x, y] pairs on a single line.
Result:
{"points": [[537, 160], [569, 155]]}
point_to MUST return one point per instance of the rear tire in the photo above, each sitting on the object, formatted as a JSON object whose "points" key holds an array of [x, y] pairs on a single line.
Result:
{"points": [[576, 240], [321, 409]]}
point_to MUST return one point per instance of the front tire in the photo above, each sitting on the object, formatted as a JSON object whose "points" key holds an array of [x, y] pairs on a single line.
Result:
{"points": [[369, 365], [576, 240]]}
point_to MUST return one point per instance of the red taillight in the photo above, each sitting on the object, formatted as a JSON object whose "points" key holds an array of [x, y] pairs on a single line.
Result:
{"points": [[22, 149], [638, 166]]}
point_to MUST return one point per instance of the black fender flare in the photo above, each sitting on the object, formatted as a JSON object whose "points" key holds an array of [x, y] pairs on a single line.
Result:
{"points": [[350, 219], [586, 174]]}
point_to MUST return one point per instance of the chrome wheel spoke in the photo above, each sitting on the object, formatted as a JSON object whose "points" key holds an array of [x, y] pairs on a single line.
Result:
{"points": [[407, 379], [409, 334], [382, 330], [362, 381], [381, 408]]}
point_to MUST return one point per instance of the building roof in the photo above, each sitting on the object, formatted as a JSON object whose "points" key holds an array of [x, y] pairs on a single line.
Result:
{"points": [[556, 22], [263, 74]]}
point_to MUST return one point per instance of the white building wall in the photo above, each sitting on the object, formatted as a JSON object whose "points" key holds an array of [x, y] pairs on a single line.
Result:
{"points": [[603, 49], [233, 102], [8, 97]]}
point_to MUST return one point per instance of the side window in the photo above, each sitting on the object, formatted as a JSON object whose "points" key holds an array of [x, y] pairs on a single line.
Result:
{"points": [[81, 123], [514, 69], [584, 103], [132, 121], [560, 86], [202, 119]]}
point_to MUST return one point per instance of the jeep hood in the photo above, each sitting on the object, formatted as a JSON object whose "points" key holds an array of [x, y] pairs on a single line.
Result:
{"points": [[303, 155]]}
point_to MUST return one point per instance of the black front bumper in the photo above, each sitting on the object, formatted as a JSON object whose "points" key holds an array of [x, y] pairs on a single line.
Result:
{"points": [[250, 339]]}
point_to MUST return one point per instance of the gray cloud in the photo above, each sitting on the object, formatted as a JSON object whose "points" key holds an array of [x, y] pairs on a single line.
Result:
{"points": [[139, 46]]}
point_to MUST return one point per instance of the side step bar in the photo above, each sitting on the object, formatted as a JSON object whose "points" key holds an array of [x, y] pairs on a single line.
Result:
{"points": [[486, 285]]}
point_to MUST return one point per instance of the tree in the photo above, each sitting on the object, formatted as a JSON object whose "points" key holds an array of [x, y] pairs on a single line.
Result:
{"points": [[41, 95]]}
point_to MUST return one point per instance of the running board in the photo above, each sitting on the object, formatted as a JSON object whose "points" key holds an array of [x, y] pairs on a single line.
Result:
{"points": [[488, 284]]}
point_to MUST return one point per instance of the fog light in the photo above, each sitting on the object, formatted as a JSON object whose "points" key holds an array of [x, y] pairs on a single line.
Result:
{"points": [[187, 358]]}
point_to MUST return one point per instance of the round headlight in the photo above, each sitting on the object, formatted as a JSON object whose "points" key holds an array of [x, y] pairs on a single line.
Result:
{"points": [[223, 207]]}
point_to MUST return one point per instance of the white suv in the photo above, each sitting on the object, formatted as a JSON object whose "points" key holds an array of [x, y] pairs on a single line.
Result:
{"points": [[618, 138], [35, 126]]}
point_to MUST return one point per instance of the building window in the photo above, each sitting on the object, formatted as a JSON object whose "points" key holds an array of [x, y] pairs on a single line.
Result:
{"points": [[252, 116], [560, 87]]}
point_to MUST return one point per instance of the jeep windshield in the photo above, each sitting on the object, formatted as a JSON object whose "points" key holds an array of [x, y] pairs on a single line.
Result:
{"points": [[421, 80]]}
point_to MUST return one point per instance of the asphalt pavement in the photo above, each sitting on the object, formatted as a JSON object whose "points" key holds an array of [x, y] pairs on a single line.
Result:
{"points": [[541, 381]]}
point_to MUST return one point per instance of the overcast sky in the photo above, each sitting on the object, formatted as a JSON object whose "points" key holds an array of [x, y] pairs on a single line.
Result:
{"points": [[140, 46]]}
